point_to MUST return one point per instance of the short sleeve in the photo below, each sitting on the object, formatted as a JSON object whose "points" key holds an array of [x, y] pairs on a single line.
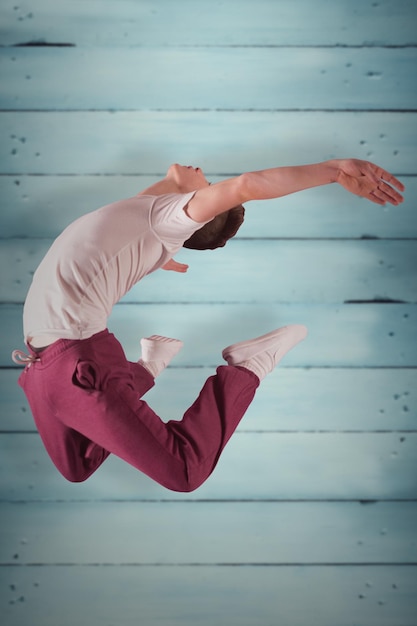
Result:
{"points": [[170, 222]]}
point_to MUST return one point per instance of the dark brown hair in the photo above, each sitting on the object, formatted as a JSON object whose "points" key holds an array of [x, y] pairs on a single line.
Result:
{"points": [[218, 231]]}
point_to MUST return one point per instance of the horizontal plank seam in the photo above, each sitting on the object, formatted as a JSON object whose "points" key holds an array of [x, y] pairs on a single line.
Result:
{"points": [[220, 564], [208, 110], [270, 301], [322, 432], [361, 238], [369, 45], [199, 501], [112, 110]]}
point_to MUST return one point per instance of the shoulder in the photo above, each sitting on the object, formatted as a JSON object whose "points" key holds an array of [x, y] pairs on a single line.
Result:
{"points": [[211, 201]]}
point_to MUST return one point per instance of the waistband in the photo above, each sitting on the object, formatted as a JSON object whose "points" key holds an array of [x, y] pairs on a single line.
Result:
{"points": [[48, 354]]}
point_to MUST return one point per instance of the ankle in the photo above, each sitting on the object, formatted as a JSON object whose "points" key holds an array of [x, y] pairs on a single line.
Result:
{"points": [[153, 367]]}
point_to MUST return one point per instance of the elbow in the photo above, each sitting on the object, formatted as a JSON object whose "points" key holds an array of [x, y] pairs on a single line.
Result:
{"points": [[247, 187]]}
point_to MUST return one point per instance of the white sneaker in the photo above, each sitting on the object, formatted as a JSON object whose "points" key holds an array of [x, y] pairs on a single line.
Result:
{"points": [[158, 352], [262, 354]]}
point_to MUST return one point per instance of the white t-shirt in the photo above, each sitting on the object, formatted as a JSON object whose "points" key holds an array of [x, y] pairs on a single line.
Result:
{"points": [[97, 259]]}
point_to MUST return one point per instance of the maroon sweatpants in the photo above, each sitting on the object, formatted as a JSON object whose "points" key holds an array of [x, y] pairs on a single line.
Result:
{"points": [[85, 398]]}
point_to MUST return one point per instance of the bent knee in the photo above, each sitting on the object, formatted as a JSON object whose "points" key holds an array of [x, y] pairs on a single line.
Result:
{"points": [[73, 477], [187, 485], [76, 475]]}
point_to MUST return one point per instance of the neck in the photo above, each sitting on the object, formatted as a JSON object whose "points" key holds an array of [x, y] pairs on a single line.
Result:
{"points": [[160, 188]]}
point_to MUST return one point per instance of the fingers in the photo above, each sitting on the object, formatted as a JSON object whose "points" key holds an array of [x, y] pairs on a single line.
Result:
{"points": [[179, 267], [391, 194], [382, 175], [373, 197], [389, 178], [384, 193], [386, 187], [174, 266], [370, 181]]}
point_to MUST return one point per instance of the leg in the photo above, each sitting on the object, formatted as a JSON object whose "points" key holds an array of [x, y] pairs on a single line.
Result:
{"points": [[74, 455], [93, 392], [91, 407], [179, 455]]}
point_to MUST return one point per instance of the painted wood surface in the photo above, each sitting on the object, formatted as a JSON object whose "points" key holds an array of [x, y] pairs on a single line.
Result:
{"points": [[261, 78], [221, 142], [244, 596], [310, 516], [42, 206], [210, 533], [204, 23]]}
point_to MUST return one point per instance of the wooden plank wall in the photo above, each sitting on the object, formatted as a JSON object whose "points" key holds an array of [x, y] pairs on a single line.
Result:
{"points": [[310, 518]]}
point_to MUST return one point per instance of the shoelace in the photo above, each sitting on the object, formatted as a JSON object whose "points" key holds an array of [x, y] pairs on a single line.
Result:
{"points": [[21, 358]]}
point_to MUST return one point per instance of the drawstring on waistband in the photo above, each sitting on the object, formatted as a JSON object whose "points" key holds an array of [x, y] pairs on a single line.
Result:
{"points": [[21, 358]]}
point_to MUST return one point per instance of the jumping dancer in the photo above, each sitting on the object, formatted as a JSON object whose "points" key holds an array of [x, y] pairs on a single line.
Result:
{"points": [[85, 396]]}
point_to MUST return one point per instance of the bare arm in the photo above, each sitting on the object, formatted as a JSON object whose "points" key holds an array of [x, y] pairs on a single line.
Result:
{"points": [[361, 178]]}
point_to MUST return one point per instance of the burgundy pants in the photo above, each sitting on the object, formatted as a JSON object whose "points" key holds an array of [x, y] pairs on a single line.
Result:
{"points": [[85, 398]]}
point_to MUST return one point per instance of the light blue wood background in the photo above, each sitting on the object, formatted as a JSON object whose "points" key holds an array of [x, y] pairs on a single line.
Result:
{"points": [[310, 517]]}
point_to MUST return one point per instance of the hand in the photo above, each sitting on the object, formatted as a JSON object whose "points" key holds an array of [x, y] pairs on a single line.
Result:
{"points": [[369, 181], [173, 266]]}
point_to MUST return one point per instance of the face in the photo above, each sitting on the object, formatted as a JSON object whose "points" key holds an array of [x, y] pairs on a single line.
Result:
{"points": [[187, 178]]}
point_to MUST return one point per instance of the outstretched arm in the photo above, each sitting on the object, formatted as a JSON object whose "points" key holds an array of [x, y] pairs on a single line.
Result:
{"points": [[361, 178]]}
